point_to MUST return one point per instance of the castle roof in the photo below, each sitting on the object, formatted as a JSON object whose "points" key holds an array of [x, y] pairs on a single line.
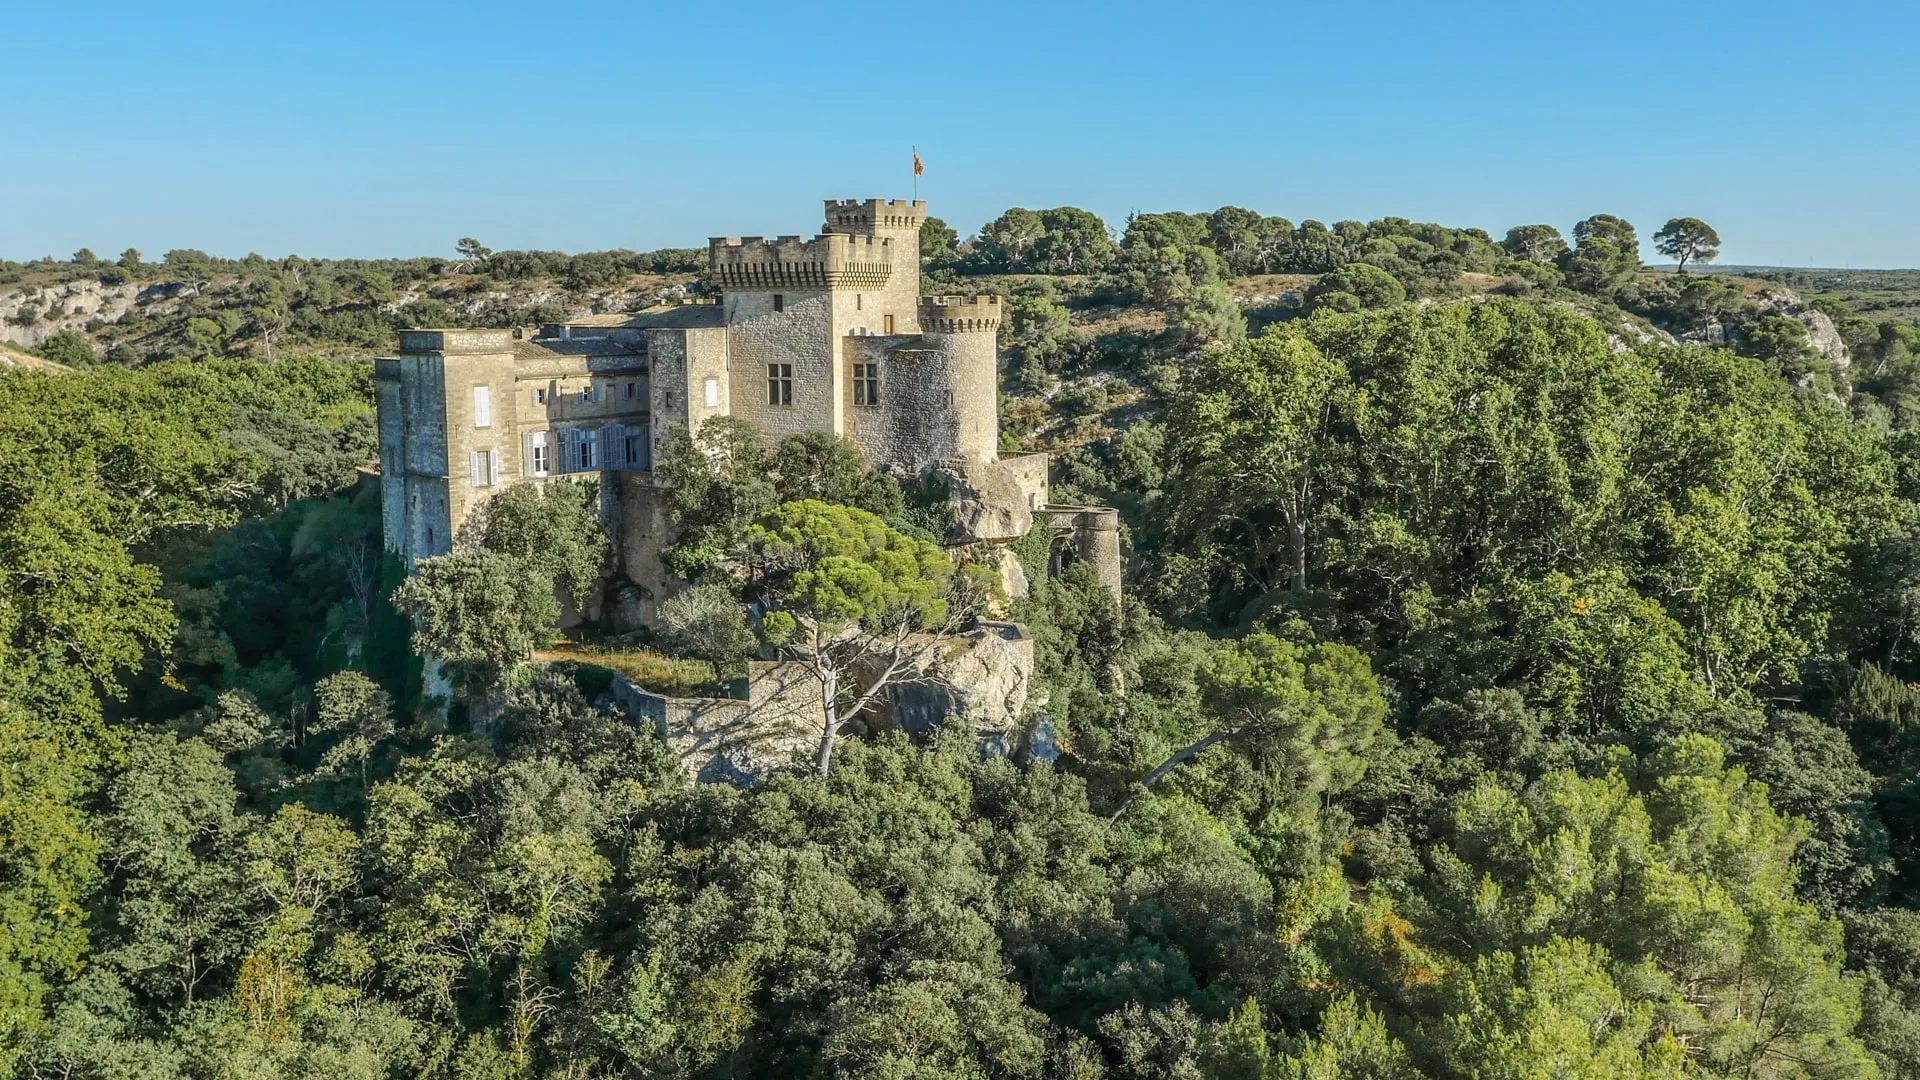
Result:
{"points": [[678, 317], [560, 348]]}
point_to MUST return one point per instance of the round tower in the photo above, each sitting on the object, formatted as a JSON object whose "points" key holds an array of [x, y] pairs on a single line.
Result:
{"points": [[963, 332]]}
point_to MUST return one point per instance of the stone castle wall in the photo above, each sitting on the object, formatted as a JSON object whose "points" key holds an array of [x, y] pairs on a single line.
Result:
{"points": [[801, 335]]}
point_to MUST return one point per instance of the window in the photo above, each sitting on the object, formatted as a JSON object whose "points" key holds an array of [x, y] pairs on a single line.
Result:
{"points": [[713, 392], [540, 452], [888, 321], [637, 450], [539, 395], [629, 391], [866, 384], [666, 398], [585, 444], [779, 302], [779, 384], [483, 406], [858, 301], [586, 392], [483, 467]]}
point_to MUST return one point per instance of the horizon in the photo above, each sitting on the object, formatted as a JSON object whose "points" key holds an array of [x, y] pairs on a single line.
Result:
{"points": [[364, 132]]}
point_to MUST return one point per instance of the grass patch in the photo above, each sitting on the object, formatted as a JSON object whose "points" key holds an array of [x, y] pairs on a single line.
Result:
{"points": [[656, 671]]}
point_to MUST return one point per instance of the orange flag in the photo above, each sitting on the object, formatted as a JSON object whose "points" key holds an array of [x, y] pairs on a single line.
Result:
{"points": [[918, 169]]}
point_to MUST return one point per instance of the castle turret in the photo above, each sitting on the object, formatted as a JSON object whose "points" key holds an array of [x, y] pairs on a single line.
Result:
{"points": [[895, 308], [963, 331]]}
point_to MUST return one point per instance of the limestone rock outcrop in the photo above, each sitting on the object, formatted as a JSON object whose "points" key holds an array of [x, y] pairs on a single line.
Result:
{"points": [[988, 500], [1821, 332]]}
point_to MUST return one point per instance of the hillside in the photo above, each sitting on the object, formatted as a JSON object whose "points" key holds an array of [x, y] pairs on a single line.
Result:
{"points": [[1515, 674]]}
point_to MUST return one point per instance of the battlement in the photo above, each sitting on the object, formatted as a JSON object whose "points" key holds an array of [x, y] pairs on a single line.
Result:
{"points": [[875, 213], [960, 314], [828, 261]]}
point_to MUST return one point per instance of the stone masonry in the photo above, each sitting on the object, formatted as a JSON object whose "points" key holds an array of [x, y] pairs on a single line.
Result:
{"points": [[822, 334]]}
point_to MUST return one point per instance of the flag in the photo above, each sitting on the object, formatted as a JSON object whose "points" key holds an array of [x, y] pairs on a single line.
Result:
{"points": [[918, 169]]}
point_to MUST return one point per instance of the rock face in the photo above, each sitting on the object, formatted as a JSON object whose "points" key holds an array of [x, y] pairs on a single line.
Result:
{"points": [[70, 306], [1711, 332], [983, 681], [1821, 333], [988, 499]]}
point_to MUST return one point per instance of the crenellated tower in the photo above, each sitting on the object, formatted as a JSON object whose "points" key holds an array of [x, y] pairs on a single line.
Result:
{"points": [[896, 222]]}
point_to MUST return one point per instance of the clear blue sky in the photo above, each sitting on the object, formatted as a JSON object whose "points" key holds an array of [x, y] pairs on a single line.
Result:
{"points": [[376, 129]]}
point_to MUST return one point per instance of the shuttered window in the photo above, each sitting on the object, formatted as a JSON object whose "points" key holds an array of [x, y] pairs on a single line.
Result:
{"points": [[483, 406], [483, 467]]}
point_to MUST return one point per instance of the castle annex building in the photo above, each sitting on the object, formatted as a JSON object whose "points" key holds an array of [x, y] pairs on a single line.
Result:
{"points": [[822, 334]]}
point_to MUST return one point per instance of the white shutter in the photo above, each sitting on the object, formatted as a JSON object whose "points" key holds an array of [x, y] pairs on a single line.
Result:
{"points": [[526, 454], [618, 459], [493, 467], [473, 468]]}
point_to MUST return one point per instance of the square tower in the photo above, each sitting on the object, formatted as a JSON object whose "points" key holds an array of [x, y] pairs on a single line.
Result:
{"points": [[895, 305]]}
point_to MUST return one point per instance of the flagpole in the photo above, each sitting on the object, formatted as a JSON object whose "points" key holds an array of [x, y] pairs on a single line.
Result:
{"points": [[916, 172]]}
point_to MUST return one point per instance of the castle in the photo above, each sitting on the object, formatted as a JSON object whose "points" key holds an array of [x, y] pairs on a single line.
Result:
{"points": [[827, 334]]}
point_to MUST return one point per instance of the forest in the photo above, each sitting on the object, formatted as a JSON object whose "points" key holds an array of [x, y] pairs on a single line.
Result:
{"points": [[1515, 677]]}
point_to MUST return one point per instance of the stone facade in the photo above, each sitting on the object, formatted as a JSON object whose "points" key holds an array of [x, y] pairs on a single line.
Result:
{"points": [[827, 334], [734, 739]]}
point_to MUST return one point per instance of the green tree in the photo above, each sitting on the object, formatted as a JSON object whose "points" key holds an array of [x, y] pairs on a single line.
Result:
{"points": [[171, 840], [68, 347], [555, 528], [1605, 255], [1007, 241], [482, 609], [1535, 243], [937, 239], [848, 593], [720, 484], [358, 714], [130, 260], [1209, 315], [472, 252], [831, 468], [1686, 882], [1312, 711], [1072, 241], [189, 267], [1258, 432], [707, 621], [1355, 287], [1687, 240]]}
